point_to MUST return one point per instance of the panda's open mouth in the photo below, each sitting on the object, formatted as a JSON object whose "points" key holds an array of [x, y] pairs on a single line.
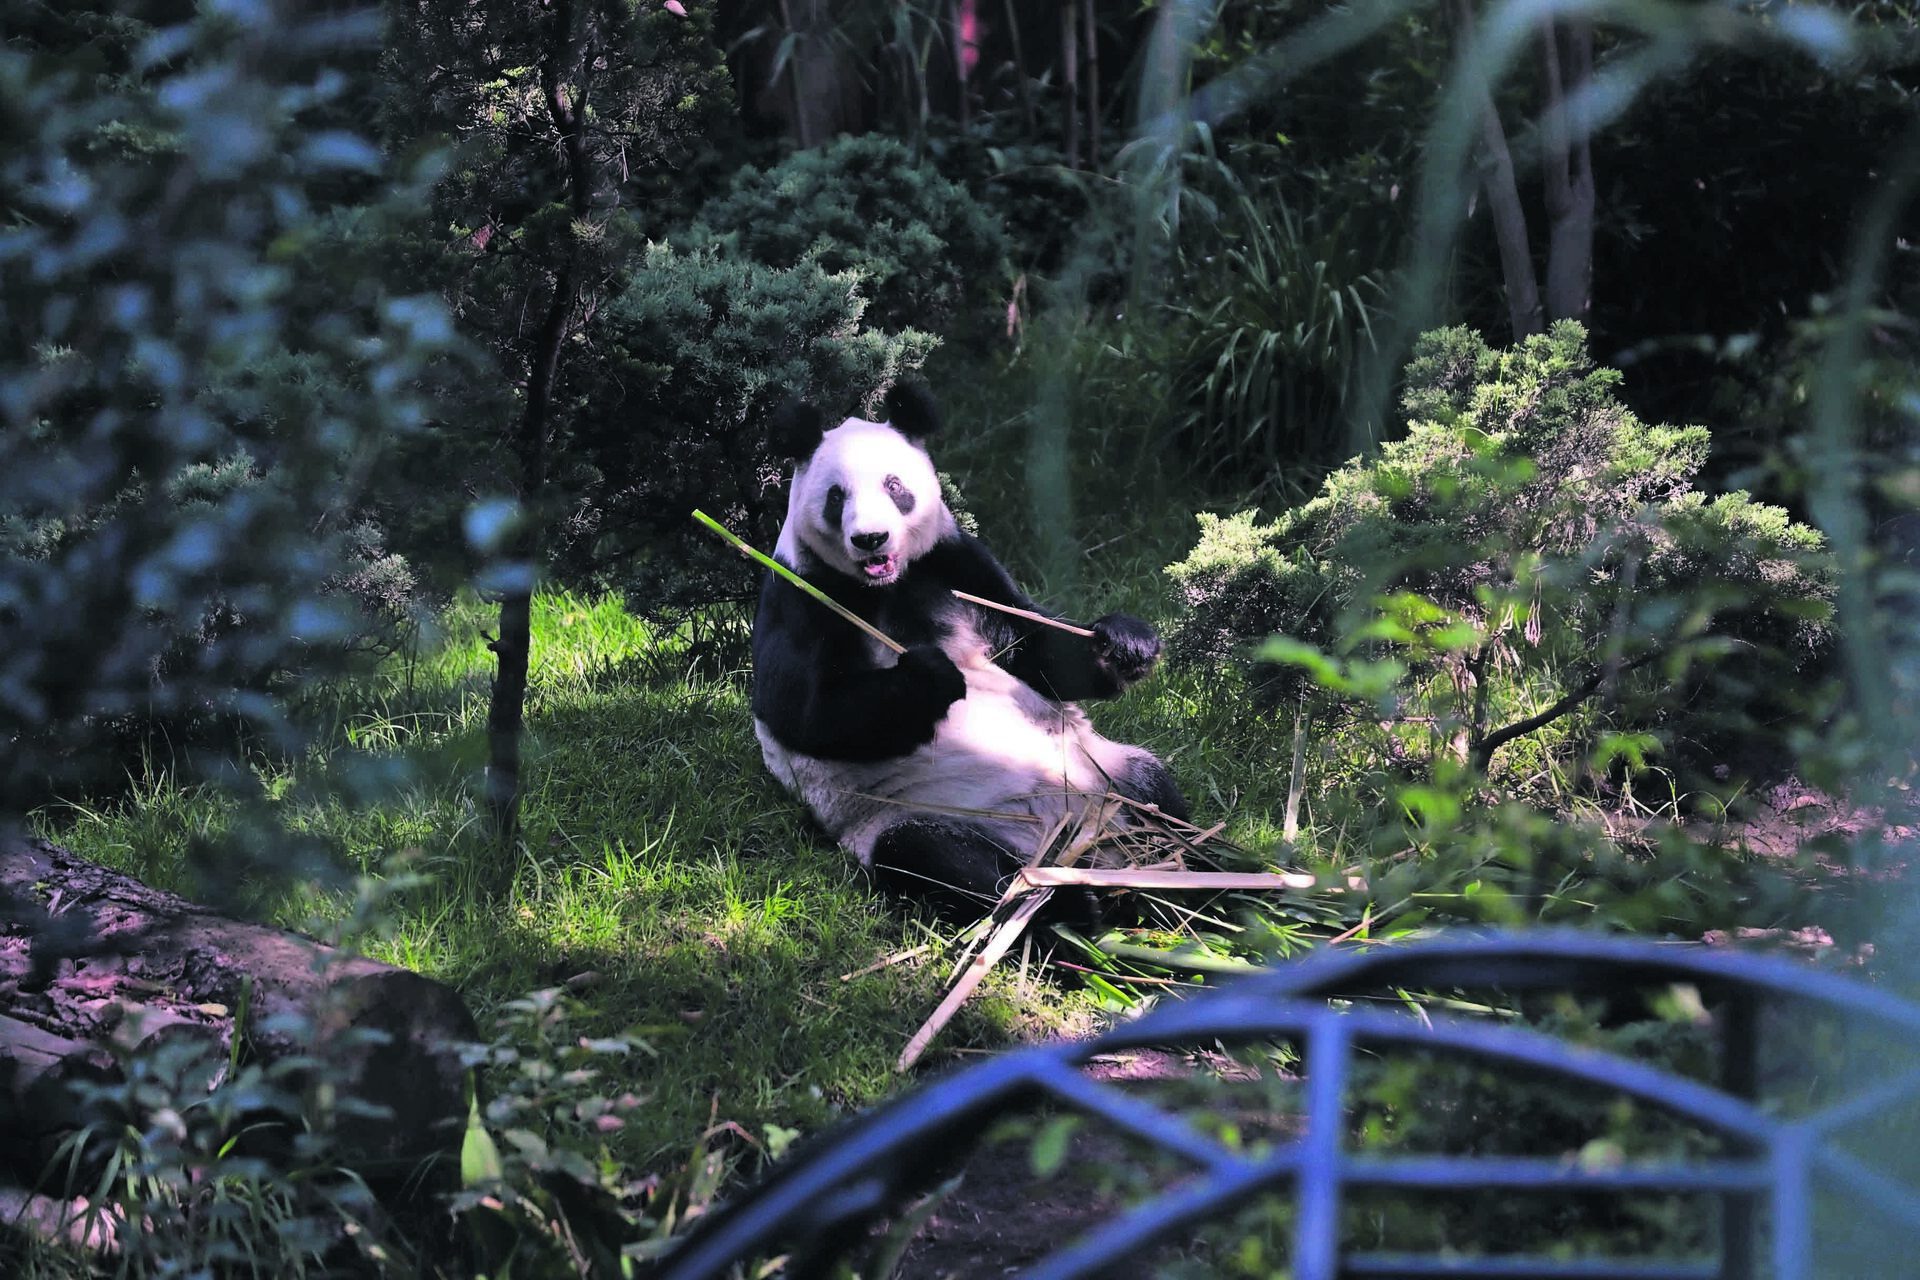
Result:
{"points": [[881, 569]]}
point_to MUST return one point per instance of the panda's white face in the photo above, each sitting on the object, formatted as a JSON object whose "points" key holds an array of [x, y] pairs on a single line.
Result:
{"points": [[866, 504]]}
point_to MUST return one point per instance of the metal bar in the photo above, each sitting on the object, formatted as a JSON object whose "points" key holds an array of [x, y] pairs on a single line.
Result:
{"points": [[1240, 1014], [839, 1190], [792, 1197], [1128, 1113], [1543, 1174], [1517, 1267], [1894, 1199], [1792, 1206], [1875, 1100], [1119, 1242], [1740, 1076], [1551, 958], [1316, 1234]]}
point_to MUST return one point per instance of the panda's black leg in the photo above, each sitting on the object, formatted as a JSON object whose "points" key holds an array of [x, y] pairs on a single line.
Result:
{"points": [[961, 871], [955, 867]]}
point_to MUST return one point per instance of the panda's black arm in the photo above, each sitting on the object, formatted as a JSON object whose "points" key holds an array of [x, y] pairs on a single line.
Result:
{"points": [[815, 690], [1064, 666]]}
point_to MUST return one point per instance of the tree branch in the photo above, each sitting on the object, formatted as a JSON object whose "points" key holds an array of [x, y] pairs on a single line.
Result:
{"points": [[1482, 752]]}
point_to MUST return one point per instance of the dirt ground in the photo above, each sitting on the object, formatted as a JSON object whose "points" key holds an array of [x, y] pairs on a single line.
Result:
{"points": [[1003, 1218]]}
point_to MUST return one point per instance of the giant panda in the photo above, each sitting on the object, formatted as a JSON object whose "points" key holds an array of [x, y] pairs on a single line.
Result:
{"points": [[898, 757]]}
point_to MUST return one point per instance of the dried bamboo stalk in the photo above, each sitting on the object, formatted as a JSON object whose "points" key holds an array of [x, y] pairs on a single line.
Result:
{"points": [[1136, 878], [1028, 614], [997, 946]]}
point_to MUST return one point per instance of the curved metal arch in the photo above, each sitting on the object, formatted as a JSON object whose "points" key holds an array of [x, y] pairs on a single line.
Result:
{"points": [[827, 1197]]}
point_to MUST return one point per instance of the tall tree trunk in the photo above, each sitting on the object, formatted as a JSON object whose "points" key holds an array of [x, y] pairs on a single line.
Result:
{"points": [[798, 91], [1070, 73], [1092, 60], [1020, 70], [1566, 60], [963, 47], [514, 645], [1503, 192]]}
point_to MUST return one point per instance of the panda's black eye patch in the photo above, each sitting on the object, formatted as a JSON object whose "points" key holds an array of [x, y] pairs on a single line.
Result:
{"points": [[902, 496], [836, 504]]}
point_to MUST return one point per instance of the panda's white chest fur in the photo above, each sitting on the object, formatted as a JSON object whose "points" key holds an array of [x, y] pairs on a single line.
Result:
{"points": [[1003, 749], [1003, 710]]}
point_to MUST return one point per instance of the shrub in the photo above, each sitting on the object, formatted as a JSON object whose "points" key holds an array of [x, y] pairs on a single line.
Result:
{"points": [[695, 353], [921, 245], [1528, 546]]}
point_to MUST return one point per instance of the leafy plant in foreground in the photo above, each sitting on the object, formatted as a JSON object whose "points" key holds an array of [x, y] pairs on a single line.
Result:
{"points": [[205, 1162], [194, 385], [1529, 546], [541, 1194]]}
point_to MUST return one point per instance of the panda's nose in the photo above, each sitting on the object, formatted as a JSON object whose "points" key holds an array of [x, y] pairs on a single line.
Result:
{"points": [[869, 541]]}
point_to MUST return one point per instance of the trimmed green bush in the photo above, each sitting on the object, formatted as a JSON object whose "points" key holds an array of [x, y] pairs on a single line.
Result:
{"points": [[921, 245], [696, 352], [1529, 545]]}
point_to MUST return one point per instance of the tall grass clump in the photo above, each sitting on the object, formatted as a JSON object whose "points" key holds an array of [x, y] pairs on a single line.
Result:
{"points": [[1277, 323]]}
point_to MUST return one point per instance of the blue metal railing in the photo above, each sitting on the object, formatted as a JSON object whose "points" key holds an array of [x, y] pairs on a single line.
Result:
{"points": [[1763, 1177]]}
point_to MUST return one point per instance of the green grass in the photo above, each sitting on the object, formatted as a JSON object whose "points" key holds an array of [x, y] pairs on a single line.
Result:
{"points": [[657, 856]]}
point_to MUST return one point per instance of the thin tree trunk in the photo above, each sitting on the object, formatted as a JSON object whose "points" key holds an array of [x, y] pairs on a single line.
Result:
{"points": [[793, 80], [1020, 70], [1503, 193], [565, 82], [514, 645], [1566, 58], [1070, 64], [1092, 60]]}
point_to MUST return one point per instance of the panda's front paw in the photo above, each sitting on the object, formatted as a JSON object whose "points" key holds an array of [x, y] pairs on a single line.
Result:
{"points": [[1125, 646], [935, 682]]}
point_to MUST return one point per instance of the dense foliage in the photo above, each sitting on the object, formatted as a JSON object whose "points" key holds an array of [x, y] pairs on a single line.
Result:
{"points": [[695, 354], [922, 246], [1527, 532]]}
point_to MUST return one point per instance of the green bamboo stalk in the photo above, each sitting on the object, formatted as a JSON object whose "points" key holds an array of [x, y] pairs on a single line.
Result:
{"points": [[799, 582]]}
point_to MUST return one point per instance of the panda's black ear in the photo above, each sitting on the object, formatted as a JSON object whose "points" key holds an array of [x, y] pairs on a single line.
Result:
{"points": [[795, 430], [911, 410]]}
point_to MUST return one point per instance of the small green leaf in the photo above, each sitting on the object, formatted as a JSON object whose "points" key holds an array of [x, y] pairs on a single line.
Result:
{"points": [[1049, 1150], [479, 1158]]}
